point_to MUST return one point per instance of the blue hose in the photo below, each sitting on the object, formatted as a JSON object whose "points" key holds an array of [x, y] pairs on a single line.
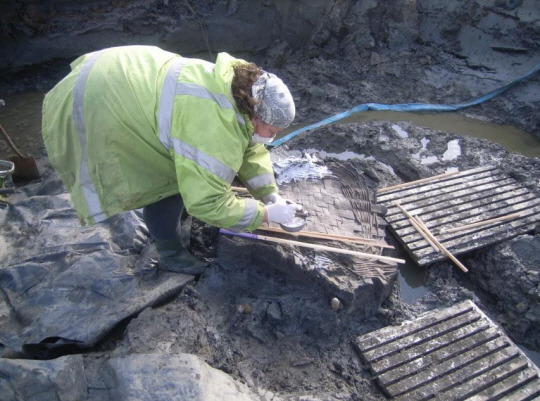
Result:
{"points": [[406, 107]]}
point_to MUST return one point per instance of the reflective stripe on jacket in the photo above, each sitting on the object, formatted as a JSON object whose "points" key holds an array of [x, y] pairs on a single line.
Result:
{"points": [[132, 125]]}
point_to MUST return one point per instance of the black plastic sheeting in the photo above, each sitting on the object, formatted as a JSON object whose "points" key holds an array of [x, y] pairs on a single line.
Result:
{"points": [[65, 287], [141, 377]]}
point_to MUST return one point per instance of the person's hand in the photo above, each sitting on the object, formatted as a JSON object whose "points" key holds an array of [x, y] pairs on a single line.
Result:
{"points": [[281, 212], [272, 198]]}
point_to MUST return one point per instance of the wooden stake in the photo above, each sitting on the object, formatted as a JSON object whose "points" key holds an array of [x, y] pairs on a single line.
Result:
{"points": [[433, 239], [333, 237], [483, 222], [410, 183], [314, 246]]}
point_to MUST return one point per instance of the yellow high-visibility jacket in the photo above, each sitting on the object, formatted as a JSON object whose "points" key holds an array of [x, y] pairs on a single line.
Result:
{"points": [[132, 125]]}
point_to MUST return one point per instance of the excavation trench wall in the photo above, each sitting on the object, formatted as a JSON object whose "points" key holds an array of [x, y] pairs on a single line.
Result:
{"points": [[334, 54]]}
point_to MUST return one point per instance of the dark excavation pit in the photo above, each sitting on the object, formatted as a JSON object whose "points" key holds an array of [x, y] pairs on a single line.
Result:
{"points": [[259, 323]]}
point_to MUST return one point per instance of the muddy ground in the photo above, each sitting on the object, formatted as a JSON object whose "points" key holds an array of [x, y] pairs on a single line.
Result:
{"points": [[291, 345]]}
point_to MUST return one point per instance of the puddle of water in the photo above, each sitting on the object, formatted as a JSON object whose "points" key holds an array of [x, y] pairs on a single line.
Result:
{"points": [[511, 138], [411, 282]]}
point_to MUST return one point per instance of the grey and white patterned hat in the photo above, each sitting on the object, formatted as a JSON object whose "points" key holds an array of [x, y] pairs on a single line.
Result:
{"points": [[276, 104]]}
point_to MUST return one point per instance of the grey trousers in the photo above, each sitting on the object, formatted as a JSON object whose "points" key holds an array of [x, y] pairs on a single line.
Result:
{"points": [[163, 218]]}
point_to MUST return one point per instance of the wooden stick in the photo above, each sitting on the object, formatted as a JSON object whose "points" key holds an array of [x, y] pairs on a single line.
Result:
{"points": [[406, 184], [240, 189], [435, 241], [10, 142], [422, 228], [417, 224], [343, 238], [483, 222], [313, 246]]}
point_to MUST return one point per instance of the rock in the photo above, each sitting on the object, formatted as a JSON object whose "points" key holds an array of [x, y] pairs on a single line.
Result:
{"points": [[509, 272], [274, 311], [156, 377]]}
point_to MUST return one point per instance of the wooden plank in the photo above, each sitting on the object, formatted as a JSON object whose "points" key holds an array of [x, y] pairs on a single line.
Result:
{"points": [[388, 334], [461, 189], [478, 172], [461, 242], [430, 238], [475, 339], [481, 223], [503, 387], [440, 226], [438, 217], [466, 201], [409, 236], [479, 243], [432, 344], [399, 345], [470, 210], [486, 380], [529, 392], [464, 378], [456, 241], [416, 182], [487, 182], [478, 359], [421, 205], [447, 360]]}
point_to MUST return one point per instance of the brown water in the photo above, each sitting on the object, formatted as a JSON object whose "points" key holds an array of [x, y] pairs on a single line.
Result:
{"points": [[511, 138]]}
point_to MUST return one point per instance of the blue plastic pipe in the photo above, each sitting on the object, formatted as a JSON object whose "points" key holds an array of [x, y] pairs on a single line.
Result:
{"points": [[406, 107]]}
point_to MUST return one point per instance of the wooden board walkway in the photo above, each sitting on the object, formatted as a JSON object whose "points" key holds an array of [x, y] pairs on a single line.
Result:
{"points": [[465, 199], [453, 354]]}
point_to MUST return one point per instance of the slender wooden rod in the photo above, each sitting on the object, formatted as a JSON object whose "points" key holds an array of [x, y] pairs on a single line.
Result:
{"points": [[483, 222], [333, 237], [313, 246], [10, 142], [422, 228], [240, 189], [420, 181], [433, 239]]}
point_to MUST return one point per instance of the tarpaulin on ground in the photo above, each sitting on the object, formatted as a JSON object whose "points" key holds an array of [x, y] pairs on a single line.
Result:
{"points": [[63, 286], [141, 377]]}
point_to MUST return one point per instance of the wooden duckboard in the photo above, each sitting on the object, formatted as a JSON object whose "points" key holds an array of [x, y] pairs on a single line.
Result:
{"points": [[456, 353], [461, 199]]}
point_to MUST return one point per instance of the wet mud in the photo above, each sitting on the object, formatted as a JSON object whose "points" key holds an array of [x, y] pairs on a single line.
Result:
{"points": [[268, 329]]}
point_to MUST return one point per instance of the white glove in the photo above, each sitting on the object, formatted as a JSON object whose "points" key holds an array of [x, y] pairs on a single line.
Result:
{"points": [[281, 212], [272, 198]]}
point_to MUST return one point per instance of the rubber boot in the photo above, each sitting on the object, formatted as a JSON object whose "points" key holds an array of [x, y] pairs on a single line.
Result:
{"points": [[173, 256]]}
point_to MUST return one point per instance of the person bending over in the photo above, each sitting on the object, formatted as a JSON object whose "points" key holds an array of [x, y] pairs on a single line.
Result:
{"points": [[139, 127]]}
